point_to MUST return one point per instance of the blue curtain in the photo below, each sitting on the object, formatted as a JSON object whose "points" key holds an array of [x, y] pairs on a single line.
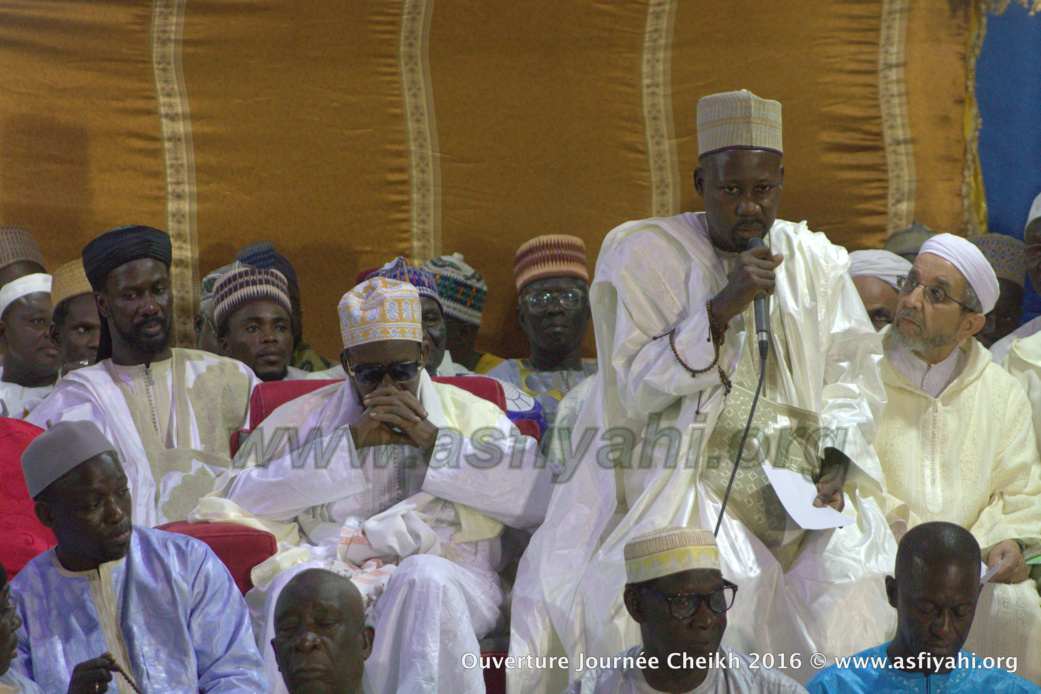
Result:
{"points": [[1008, 91]]}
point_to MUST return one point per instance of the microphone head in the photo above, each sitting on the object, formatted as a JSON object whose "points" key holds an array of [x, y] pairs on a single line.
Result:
{"points": [[754, 242]]}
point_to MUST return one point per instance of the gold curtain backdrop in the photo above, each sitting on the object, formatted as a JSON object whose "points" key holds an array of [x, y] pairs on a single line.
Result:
{"points": [[348, 133]]}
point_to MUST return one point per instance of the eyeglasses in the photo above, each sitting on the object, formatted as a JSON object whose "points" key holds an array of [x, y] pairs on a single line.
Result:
{"points": [[372, 374], [571, 300], [684, 605], [934, 295]]}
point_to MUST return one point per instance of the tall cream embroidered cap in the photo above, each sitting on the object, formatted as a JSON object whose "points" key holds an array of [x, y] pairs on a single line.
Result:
{"points": [[668, 551], [380, 309], [738, 120], [70, 280]]}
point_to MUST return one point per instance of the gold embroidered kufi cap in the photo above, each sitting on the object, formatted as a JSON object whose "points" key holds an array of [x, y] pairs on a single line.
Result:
{"points": [[380, 309], [668, 551]]}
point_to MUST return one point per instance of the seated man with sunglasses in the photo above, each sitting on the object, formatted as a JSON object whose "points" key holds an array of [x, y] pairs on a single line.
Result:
{"points": [[676, 592], [956, 442], [389, 468], [553, 310]]}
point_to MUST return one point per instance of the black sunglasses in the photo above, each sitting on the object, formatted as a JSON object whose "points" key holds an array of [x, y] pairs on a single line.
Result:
{"points": [[372, 374]]}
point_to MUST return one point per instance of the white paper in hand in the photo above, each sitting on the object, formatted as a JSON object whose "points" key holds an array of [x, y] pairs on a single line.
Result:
{"points": [[797, 493]]}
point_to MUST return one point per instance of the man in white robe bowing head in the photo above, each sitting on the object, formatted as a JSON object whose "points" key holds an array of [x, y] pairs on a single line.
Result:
{"points": [[170, 412], [957, 443], [655, 443], [391, 473]]}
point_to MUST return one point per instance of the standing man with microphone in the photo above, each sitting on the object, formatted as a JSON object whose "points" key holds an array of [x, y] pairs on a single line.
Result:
{"points": [[673, 309]]}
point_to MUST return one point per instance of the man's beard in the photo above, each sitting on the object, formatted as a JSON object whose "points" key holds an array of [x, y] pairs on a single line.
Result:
{"points": [[143, 343], [920, 343]]}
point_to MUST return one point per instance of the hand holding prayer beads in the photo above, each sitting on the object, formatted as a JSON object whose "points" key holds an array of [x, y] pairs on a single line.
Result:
{"points": [[92, 676], [753, 273]]}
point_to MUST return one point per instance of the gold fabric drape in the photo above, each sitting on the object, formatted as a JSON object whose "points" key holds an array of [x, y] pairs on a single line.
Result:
{"points": [[349, 133]]}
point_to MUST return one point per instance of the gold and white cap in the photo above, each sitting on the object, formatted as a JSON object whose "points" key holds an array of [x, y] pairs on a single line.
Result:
{"points": [[669, 551], [738, 120]]}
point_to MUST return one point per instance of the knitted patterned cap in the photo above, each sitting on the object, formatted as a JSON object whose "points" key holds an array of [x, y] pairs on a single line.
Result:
{"points": [[16, 245], [380, 309], [69, 280], [399, 269], [244, 285], [553, 255], [1005, 255], [462, 290], [669, 551], [263, 255], [738, 120], [210, 280], [909, 240]]}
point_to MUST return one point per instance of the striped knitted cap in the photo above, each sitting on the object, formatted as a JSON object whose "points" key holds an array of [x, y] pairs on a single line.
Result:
{"points": [[738, 120], [244, 285], [553, 255], [380, 309], [69, 280], [669, 551], [399, 269], [461, 288], [16, 245], [263, 255]]}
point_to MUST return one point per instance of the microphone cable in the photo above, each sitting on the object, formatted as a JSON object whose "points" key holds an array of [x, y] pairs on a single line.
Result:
{"points": [[764, 349]]}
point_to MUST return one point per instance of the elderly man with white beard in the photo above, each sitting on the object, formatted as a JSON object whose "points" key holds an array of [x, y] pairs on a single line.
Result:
{"points": [[956, 441]]}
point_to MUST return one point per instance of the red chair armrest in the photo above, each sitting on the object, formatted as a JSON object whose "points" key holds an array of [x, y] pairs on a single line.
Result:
{"points": [[238, 546]]}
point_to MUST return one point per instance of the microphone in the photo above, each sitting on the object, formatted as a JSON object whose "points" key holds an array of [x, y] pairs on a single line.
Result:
{"points": [[762, 311]]}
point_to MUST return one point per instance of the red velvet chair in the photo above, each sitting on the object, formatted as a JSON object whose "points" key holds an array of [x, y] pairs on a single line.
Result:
{"points": [[22, 536], [238, 546], [267, 397]]}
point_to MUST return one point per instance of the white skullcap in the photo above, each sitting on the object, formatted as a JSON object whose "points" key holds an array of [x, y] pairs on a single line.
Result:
{"points": [[1035, 210], [55, 452], [669, 551], [738, 120], [881, 265], [971, 262], [23, 286]]}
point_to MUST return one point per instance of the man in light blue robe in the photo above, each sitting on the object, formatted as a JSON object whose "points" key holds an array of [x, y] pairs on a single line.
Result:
{"points": [[114, 597], [11, 681], [935, 590]]}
